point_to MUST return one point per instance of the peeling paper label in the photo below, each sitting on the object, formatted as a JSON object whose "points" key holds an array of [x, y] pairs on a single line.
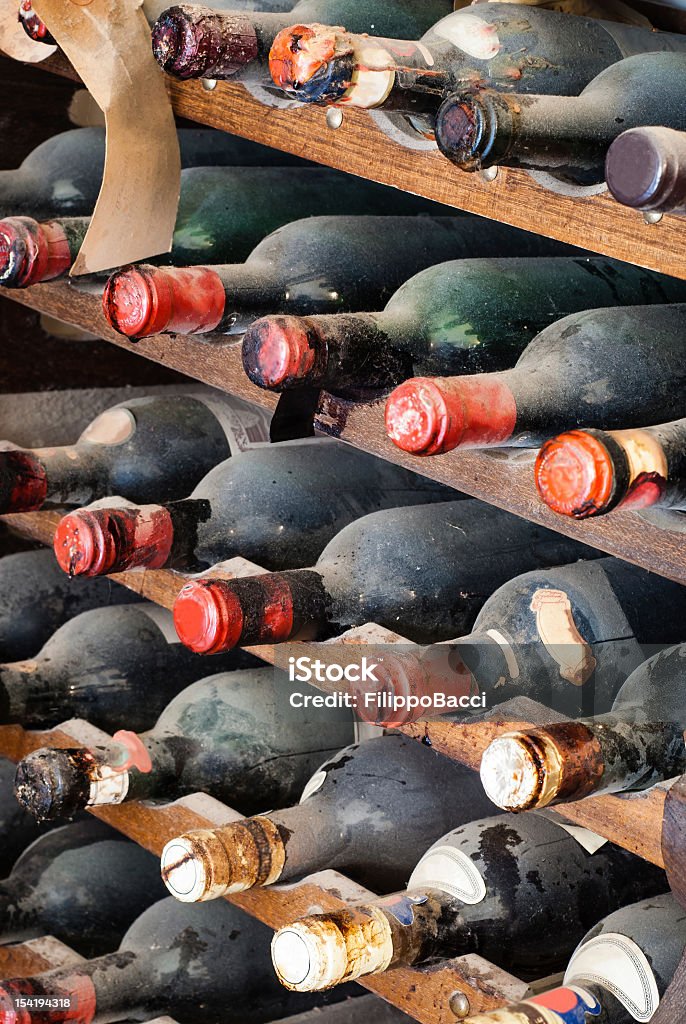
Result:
{"points": [[110, 787], [560, 637], [591, 842], [619, 965], [108, 43], [450, 871]]}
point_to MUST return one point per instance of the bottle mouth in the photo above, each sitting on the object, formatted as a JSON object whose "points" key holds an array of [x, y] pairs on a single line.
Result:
{"points": [[31, 252], [208, 616], [94, 542], [575, 475], [23, 482], [133, 303], [311, 64], [459, 127], [175, 44], [639, 168], [281, 352], [511, 772], [183, 866], [417, 417], [52, 784]]}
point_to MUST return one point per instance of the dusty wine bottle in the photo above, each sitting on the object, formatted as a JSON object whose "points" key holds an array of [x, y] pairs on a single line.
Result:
{"points": [[567, 135], [45, 892], [646, 169], [423, 572], [546, 52], [146, 448], [199, 964], [223, 213], [107, 665], [191, 41], [465, 316], [566, 637], [617, 975], [17, 828], [227, 735], [62, 176], [604, 368], [519, 891], [277, 505], [584, 473], [369, 812], [314, 265], [36, 598], [638, 743]]}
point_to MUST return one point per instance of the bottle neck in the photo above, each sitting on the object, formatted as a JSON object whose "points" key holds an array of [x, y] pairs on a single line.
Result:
{"points": [[361, 350], [577, 1004], [75, 475], [216, 615], [100, 541], [569, 134], [364, 71], [106, 989], [29, 692]]}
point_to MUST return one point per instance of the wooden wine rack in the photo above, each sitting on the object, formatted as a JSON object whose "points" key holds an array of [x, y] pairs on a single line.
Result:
{"points": [[501, 478]]}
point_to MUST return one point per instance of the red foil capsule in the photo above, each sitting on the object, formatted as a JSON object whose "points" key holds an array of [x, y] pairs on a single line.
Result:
{"points": [[143, 300], [95, 542], [31, 252]]}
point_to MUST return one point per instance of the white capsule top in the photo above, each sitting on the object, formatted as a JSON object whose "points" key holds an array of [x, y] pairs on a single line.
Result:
{"points": [[510, 774], [182, 873]]}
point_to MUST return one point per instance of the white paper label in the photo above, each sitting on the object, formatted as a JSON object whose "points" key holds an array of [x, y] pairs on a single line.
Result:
{"points": [[619, 965], [163, 619], [590, 841], [110, 788], [450, 871]]}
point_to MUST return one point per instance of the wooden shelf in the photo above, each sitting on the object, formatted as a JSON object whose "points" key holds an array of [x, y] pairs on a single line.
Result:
{"points": [[360, 147], [22, 959], [502, 477], [632, 821]]}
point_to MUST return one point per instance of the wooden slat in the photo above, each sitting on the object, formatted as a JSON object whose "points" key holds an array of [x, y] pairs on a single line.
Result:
{"points": [[358, 146], [423, 993], [20, 960], [634, 822], [503, 477]]}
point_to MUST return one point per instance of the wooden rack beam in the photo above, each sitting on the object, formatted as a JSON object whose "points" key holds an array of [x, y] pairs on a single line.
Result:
{"points": [[632, 821], [360, 147], [502, 477]]}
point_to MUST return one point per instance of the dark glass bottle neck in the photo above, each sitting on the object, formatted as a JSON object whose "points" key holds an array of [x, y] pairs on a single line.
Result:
{"points": [[312, 835], [28, 689]]}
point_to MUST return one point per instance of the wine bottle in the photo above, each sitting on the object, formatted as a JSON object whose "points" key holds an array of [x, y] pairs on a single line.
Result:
{"points": [[62, 176], [423, 572], [45, 892], [584, 473], [520, 892], [278, 506], [633, 746], [156, 447], [17, 827], [566, 637], [646, 169], [368, 812], [604, 368], [204, 42], [36, 598], [109, 665], [227, 735], [223, 213], [465, 316], [314, 265], [568, 135], [198, 964], [546, 52], [617, 975]]}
